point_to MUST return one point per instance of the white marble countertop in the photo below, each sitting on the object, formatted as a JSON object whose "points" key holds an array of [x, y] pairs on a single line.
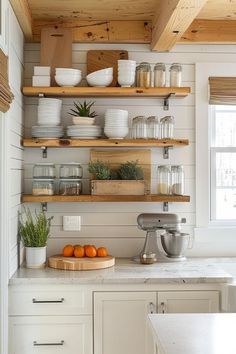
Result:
{"points": [[194, 333], [195, 270]]}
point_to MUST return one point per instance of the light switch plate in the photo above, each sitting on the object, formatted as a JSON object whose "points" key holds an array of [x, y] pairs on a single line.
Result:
{"points": [[71, 223]]}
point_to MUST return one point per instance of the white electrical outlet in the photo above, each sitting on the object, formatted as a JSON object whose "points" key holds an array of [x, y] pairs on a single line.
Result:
{"points": [[72, 223]]}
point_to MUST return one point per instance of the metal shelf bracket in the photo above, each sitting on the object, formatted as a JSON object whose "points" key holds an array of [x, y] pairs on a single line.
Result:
{"points": [[41, 95], [165, 206], [44, 206], [166, 105], [44, 150], [166, 149]]}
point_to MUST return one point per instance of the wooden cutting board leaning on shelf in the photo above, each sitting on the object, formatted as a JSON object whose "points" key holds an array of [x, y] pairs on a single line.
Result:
{"points": [[56, 49], [117, 157], [101, 59], [85, 263]]}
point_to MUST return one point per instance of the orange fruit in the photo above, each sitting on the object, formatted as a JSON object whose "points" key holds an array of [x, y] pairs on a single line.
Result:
{"points": [[85, 247], [102, 252], [68, 251], [91, 251], [79, 252]]}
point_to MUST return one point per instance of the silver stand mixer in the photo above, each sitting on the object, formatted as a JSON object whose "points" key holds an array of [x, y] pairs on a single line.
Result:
{"points": [[173, 242]]}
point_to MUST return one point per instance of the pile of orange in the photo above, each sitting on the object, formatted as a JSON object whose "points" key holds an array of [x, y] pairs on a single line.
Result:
{"points": [[79, 251]]}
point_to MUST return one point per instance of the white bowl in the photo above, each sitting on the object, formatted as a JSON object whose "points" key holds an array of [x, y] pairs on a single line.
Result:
{"points": [[116, 134], [68, 80], [126, 80], [67, 70], [49, 101], [107, 71], [116, 111], [83, 120], [100, 81]]}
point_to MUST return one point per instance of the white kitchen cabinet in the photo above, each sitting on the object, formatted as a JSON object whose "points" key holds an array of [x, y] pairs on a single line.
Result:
{"points": [[188, 301], [50, 335], [120, 322]]}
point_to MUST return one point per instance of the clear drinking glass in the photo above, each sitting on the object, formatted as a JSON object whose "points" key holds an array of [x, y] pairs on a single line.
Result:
{"points": [[139, 127], [159, 75], [153, 127], [44, 170], [43, 187], [71, 170], [164, 179], [177, 180], [167, 127], [70, 187]]}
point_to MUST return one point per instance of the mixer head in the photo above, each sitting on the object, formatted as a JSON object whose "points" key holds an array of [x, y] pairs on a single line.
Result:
{"points": [[155, 221]]}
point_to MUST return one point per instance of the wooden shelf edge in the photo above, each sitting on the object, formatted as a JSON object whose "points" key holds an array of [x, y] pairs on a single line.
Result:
{"points": [[161, 92], [64, 143], [105, 198]]}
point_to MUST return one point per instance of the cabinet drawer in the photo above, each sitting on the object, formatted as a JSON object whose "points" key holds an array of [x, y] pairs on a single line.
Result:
{"points": [[48, 335], [50, 300]]}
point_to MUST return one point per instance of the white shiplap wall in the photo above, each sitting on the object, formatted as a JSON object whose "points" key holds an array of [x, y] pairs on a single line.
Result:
{"points": [[15, 133], [114, 224]]}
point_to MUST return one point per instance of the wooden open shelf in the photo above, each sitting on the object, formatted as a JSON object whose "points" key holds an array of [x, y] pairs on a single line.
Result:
{"points": [[105, 198], [140, 143], [155, 92]]}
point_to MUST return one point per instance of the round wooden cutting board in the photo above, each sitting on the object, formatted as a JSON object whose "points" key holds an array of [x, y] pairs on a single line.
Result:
{"points": [[72, 263]]}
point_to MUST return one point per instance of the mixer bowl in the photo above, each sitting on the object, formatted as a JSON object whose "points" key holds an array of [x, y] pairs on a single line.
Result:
{"points": [[175, 244]]}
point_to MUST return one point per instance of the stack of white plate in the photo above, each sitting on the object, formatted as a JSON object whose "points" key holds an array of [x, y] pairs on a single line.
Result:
{"points": [[68, 77], [116, 123], [47, 132], [49, 111], [84, 131], [126, 72]]}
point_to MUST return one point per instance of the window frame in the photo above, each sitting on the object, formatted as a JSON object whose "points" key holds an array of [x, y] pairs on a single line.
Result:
{"points": [[203, 149]]}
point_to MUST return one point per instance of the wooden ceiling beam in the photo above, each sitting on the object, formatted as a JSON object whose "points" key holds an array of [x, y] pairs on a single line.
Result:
{"points": [[175, 16], [22, 11], [210, 31], [99, 31]]}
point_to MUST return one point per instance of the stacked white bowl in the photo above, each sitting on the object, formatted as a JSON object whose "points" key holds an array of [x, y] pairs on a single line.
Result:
{"points": [[100, 78], [126, 72], [116, 123], [68, 77], [49, 111]]}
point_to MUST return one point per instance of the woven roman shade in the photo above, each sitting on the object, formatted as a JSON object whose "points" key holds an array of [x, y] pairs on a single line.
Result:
{"points": [[6, 96], [222, 90]]}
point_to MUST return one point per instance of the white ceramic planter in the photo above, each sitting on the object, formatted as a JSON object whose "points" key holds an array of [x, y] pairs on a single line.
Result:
{"points": [[35, 257], [83, 120]]}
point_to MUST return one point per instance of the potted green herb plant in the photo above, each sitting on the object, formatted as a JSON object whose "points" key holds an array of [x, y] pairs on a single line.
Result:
{"points": [[82, 114], [128, 179], [34, 232]]}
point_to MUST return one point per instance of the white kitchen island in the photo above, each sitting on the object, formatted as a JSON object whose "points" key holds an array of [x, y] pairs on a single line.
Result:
{"points": [[194, 333]]}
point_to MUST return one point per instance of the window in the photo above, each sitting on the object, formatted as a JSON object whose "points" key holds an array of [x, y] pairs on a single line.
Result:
{"points": [[223, 163]]}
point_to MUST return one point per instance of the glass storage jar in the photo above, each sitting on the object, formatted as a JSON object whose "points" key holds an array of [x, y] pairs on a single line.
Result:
{"points": [[167, 127], [177, 180], [153, 127], [70, 187], [175, 75], [139, 127], [159, 75], [71, 170], [143, 75], [163, 179], [43, 187], [44, 170]]}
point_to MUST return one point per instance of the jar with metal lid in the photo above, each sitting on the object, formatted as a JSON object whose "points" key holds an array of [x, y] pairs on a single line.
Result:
{"points": [[70, 187], [143, 75], [139, 127], [153, 127], [177, 180], [163, 180], [43, 187], [175, 75], [159, 75], [71, 170], [167, 127], [44, 170]]}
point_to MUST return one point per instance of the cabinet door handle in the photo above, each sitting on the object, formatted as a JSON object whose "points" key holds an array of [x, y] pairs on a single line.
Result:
{"points": [[151, 307], [36, 344], [47, 301], [163, 307]]}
